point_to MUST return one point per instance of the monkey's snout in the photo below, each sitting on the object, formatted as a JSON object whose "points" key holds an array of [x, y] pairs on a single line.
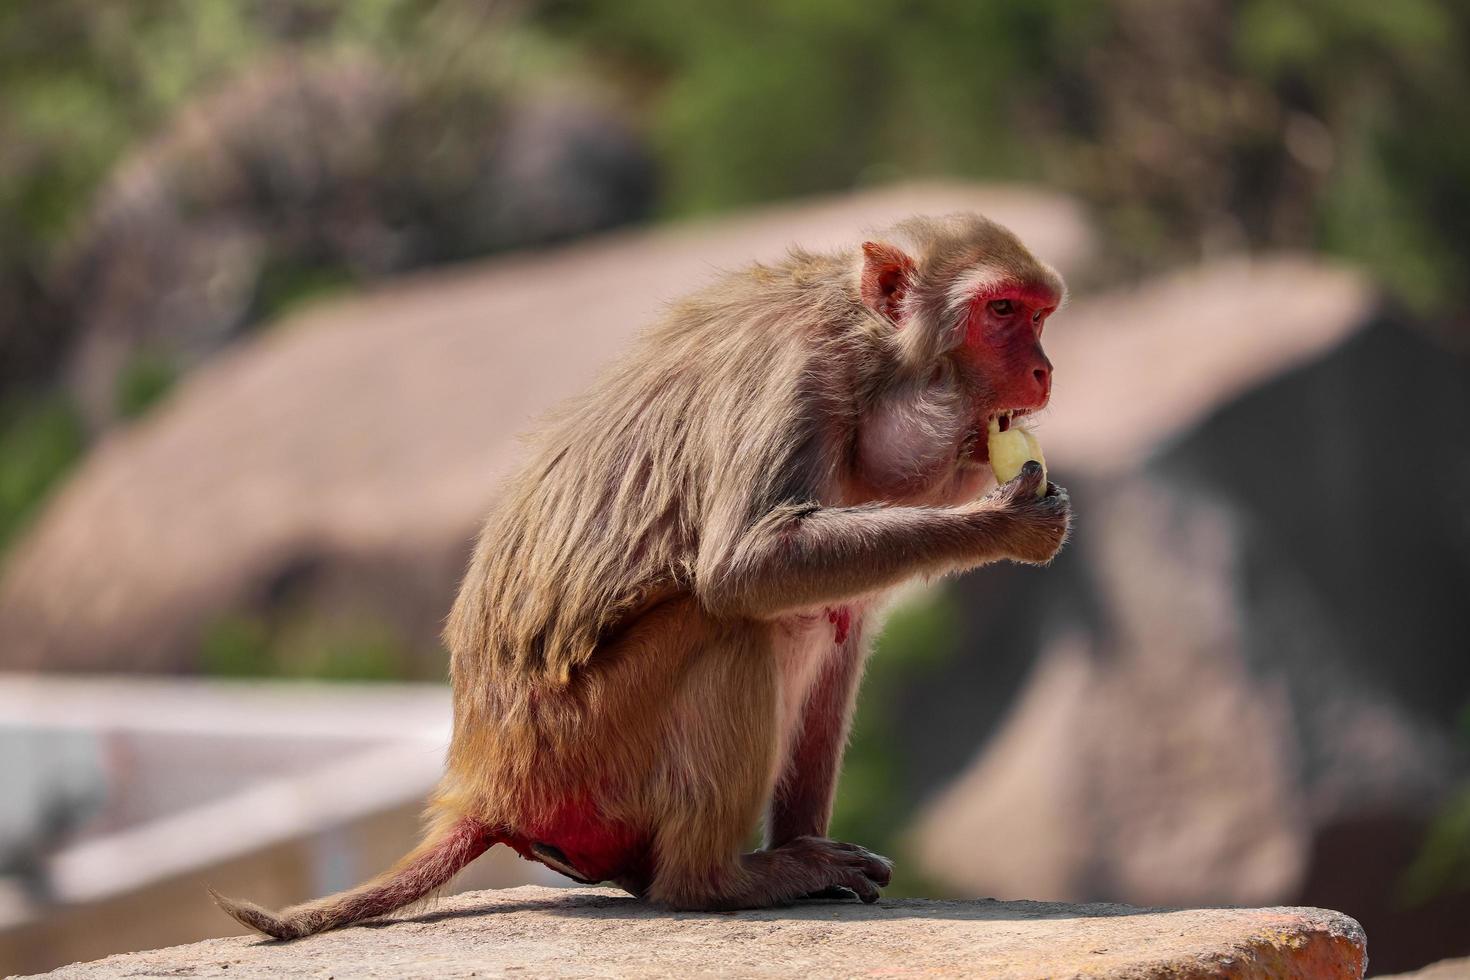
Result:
{"points": [[1042, 377]]}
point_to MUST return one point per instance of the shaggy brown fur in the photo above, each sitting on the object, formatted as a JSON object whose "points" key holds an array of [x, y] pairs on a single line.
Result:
{"points": [[663, 624]]}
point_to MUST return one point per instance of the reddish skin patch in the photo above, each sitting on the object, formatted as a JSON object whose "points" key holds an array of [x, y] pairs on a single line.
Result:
{"points": [[1007, 348], [600, 850], [886, 273], [1037, 296], [841, 619]]}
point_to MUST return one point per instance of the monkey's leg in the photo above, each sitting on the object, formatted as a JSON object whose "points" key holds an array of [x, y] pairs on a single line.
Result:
{"points": [[802, 803], [718, 767], [798, 557]]}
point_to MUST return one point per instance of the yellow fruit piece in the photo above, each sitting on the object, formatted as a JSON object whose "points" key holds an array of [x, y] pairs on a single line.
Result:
{"points": [[1010, 450]]}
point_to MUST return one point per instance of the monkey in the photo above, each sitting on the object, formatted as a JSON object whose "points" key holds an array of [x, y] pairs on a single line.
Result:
{"points": [[658, 642]]}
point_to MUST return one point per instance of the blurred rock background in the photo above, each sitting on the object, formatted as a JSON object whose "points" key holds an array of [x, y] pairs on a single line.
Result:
{"points": [[245, 434]]}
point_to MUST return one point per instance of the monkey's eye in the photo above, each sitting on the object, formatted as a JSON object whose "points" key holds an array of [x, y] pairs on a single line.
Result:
{"points": [[1002, 307]]}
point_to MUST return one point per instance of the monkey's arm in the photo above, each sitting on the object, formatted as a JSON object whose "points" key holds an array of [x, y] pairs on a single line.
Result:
{"points": [[797, 557]]}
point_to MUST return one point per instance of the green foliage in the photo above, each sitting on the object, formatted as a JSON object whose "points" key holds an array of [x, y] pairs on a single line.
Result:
{"points": [[1391, 82], [79, 80], [327, 649], [81, 83], [1442, 866], [1177, 122], [305, 644], [779, 97], [145, 380], [284, 287], [39, 442], [237, 646], [1312, 39]]}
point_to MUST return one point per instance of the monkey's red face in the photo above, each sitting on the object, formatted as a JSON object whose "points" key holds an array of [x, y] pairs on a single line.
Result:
{"points": [[1002, 344], [1004, 310], [986, 321]]}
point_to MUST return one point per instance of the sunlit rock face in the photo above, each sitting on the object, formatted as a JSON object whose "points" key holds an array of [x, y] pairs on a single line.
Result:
{"points": [[547, 932]]}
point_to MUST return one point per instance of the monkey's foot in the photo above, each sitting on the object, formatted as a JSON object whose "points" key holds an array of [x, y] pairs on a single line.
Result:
{"points": [[841, 868]]}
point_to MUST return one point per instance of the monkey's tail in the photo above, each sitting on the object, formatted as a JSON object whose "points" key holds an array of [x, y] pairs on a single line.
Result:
{"points": [[446, 849]]}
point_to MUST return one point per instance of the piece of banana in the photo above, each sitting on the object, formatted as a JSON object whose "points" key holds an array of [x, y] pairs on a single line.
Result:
{"points": [[1009, 451]]}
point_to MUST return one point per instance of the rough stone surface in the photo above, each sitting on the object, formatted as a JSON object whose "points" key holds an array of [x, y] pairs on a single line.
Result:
{"points": [[547, 932]]}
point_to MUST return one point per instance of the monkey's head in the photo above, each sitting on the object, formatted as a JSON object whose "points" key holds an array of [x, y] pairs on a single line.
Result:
{"points": [[962, 292]]}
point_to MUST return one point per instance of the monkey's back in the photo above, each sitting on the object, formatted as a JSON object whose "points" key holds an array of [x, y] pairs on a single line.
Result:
{"points": [[633, 488], [630, 493]]}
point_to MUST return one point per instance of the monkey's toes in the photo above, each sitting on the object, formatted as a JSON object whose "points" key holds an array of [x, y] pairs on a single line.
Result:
{"points": [[847, 867], [862, 886], [877, 867], [872, 864]]}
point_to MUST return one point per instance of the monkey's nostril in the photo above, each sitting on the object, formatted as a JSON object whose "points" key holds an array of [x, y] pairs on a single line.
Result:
{"points": [[1043, 380]]}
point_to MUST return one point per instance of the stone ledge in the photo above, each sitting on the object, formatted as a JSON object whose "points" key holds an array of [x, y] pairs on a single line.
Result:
{"points": [[591, 932]]}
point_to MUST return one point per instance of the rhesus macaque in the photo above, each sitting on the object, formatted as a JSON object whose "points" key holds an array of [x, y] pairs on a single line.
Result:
{"points": [[661, 633]]}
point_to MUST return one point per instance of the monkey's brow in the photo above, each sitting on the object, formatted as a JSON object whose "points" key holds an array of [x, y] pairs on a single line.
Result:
{"points": [[986, 282]]}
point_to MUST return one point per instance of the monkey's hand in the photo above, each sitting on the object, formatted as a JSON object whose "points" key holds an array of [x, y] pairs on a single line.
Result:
{"points": [[1031, 527]]}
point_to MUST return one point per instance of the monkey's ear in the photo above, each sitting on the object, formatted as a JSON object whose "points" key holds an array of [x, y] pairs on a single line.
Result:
{"points": [[887, 275]]}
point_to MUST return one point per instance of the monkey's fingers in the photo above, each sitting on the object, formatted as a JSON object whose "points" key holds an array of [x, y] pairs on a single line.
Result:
{"points": [[832, 893], [1025, 485], [1056, 500], [1032, 478]]}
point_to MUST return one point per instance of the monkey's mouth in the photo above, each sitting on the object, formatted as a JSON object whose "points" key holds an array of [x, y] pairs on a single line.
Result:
{"points": [[976, 444]]}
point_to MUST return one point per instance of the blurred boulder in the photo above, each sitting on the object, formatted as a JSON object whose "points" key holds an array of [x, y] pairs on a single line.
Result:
{"points": [[344, 460], [1456, 969], [307, 174], [1252, 663]]}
